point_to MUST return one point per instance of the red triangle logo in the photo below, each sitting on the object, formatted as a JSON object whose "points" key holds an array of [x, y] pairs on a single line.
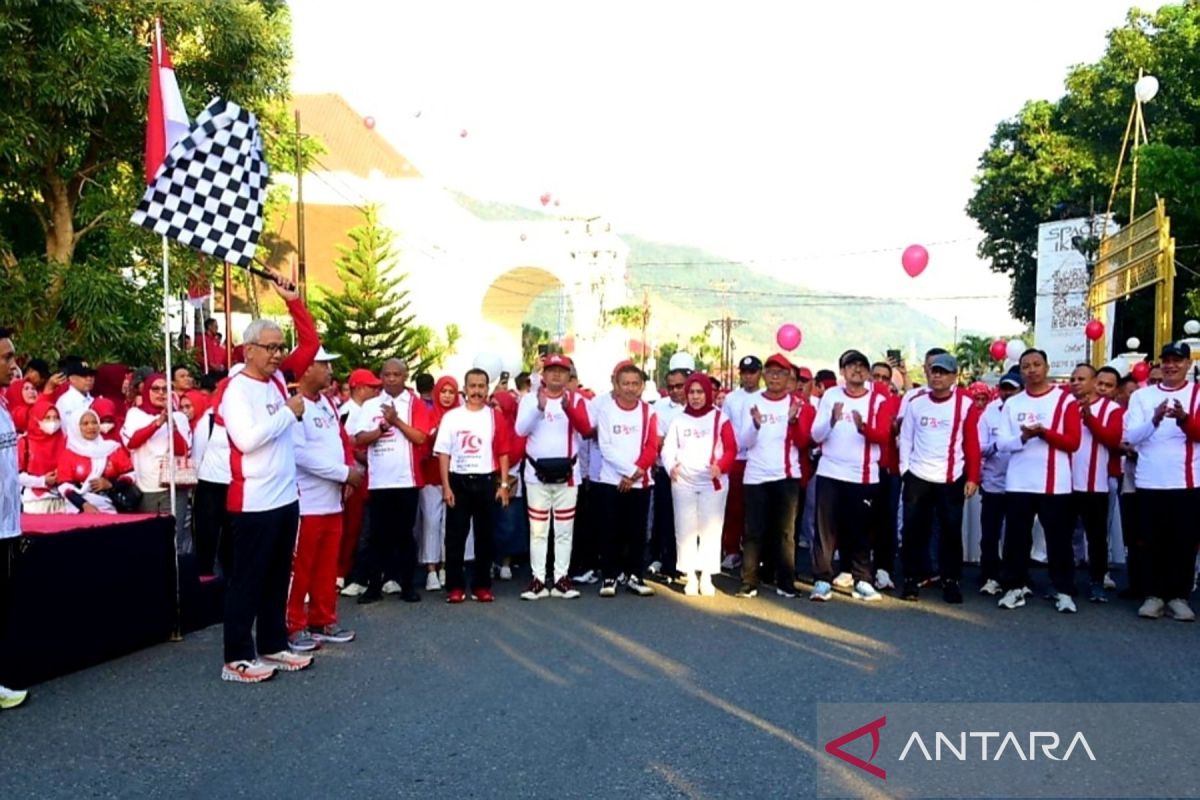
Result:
{"points": [[834, 747]]}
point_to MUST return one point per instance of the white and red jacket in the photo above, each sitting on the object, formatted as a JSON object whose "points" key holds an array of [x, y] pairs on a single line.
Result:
{"points": [[994, 474], [628, 440], [323, 457], [773, 448], [262, 457], [393, 461], [846, 454], [1041, 465], [146, 441], [473, 439], [1168, 455], [555, 432], [939, 439], [1093, 463], [695, 443]]}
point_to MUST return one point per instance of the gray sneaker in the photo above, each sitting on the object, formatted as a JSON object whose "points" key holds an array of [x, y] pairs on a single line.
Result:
{"points": [[1180, 610], [638, 587], [333, 633], [303, 642]]}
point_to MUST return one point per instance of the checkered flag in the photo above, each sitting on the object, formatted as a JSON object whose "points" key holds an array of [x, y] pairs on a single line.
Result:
{"points": [[209, 192]]}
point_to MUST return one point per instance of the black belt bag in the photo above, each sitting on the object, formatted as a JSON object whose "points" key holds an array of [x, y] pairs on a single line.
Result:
{"points": [[553, 470]]}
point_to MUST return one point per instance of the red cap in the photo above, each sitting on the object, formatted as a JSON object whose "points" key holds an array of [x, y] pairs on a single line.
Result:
{"points": [[778, 360], [364, 377], [806, 373], [556, 360], [622, 365]]}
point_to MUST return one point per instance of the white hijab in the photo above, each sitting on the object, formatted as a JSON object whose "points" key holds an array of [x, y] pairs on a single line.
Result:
{"points": [[98, 448]]}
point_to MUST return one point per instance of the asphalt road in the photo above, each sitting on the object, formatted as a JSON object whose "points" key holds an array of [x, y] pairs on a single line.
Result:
{"points": [[629, 697]]}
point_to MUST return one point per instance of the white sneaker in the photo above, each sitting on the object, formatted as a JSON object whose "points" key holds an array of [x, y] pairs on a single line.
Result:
{"points": [[1013, 598], [654, 568], [1109, 583], [391, 587], [883, 580], [637, 586], [11, 698], [354, 590], [1063, 604], [866, 592], [432, 584], [287, 661], [506, 573], [706, 585], [691, 587], [1152, 608], [442, 576], [341, 583], [843, 581], [731, 561], [990, 587], [587, 578], [1181, 611], [247, 671]]}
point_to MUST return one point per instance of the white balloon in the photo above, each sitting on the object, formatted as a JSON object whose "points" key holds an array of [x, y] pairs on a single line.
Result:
{"points": [[1146, 88], [513, 366], [1133, 343], [1014, 350], [682, 361], [490, 363], [1191, 327]]}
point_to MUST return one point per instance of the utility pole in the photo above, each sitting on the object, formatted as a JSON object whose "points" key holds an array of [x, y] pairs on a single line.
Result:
{"points": [[726, 324], [302, 277]]}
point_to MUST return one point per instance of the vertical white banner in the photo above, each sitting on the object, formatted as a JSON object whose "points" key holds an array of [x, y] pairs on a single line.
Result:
{"points": [[1061, 312]]}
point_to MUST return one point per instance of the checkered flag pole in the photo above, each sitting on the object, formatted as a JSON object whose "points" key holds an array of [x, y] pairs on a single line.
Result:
{"points": [[210, 190]]}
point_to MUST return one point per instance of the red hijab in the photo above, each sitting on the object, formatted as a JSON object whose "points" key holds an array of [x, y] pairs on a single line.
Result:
{"points": [[440, 410], [106, 409], [705, 383], [42, 449], [199, 404], [148, 406]]}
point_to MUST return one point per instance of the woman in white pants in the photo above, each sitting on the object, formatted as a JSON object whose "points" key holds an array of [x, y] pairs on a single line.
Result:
{"points": [[698, 451]]}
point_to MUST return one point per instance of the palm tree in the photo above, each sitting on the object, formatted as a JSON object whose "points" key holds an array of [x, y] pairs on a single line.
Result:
{"points": [[974, 356]]}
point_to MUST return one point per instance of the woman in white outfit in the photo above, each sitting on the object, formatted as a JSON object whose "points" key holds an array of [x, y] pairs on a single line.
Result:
{"points": [[698, 452]]}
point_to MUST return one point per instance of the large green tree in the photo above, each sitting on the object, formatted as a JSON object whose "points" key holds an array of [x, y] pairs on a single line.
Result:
{"points": [[1056, 160], [73, 96]]}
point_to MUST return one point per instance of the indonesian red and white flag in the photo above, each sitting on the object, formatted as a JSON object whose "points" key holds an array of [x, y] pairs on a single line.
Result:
{"points": [[167, 120]]}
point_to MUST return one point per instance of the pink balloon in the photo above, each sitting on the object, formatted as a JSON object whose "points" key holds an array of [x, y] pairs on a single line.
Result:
{"points": [[369, 122], [545, 198], [915, 259], [1140, 371], [788, 336], [999, 349], [1094, 330], [463, 133]]}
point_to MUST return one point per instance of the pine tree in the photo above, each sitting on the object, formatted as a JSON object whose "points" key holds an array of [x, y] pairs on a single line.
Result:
{"points": [[368, 322]]}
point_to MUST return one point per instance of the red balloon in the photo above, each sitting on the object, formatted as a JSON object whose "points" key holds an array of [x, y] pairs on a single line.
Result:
{"points": [[1094, 329], [545, 198], [788, 336], [1140, 371], [999, 350], [369, 122], [915, 259]]}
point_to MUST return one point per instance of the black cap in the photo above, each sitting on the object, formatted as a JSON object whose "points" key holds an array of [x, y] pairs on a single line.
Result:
{"points": [[750, 364], [1014, 379], [80, 368], [1176, 350], [852, 357]]}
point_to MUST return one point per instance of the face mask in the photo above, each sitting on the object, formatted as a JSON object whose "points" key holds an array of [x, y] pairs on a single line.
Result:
{"points": [[106, 427], [49, 426]]}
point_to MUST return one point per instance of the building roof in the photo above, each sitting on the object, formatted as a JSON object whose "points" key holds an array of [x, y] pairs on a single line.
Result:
{"points": [[351, 146]]}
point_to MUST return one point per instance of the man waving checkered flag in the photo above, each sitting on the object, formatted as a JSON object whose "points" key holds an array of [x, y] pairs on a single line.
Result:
{"points": [[209, 192]]}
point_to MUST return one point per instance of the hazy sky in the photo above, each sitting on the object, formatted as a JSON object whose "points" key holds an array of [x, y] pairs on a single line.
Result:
{"points": [[800, 138]]}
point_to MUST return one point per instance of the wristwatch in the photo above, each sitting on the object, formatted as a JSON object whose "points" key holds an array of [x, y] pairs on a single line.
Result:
{"points": [[505, 486]]}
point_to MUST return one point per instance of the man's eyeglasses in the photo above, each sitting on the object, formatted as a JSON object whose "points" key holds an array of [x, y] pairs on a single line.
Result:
{"points": [[673, 386], [270, 348]]}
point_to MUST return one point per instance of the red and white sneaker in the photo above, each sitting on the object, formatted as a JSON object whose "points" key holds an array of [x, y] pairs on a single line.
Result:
{"points": [[536, 591], [483, 595], [287, 661], [455, 596], [247, 672], [564, 589]]}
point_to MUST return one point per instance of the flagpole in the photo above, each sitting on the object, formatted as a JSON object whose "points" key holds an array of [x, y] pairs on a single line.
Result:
{"points": [[177, 634], [228, 320]]}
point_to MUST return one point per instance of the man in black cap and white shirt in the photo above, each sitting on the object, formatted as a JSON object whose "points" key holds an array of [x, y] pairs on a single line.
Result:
{"points": [[737, 409], [1163, 426], [78, 395]]}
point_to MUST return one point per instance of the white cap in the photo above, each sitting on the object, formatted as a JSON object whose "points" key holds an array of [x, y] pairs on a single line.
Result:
{"points": [[322, 355], [682, 361]]}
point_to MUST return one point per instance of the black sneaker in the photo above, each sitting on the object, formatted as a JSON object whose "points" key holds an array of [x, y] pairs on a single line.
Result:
{"points": [[410, 595], [608, 588], [637, 586], [1096, 593], [369, 596], [911, 591], [746, 590], [951, 592]]}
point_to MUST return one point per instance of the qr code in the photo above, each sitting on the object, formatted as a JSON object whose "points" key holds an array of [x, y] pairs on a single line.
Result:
{"points": [[1070, 306]]}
